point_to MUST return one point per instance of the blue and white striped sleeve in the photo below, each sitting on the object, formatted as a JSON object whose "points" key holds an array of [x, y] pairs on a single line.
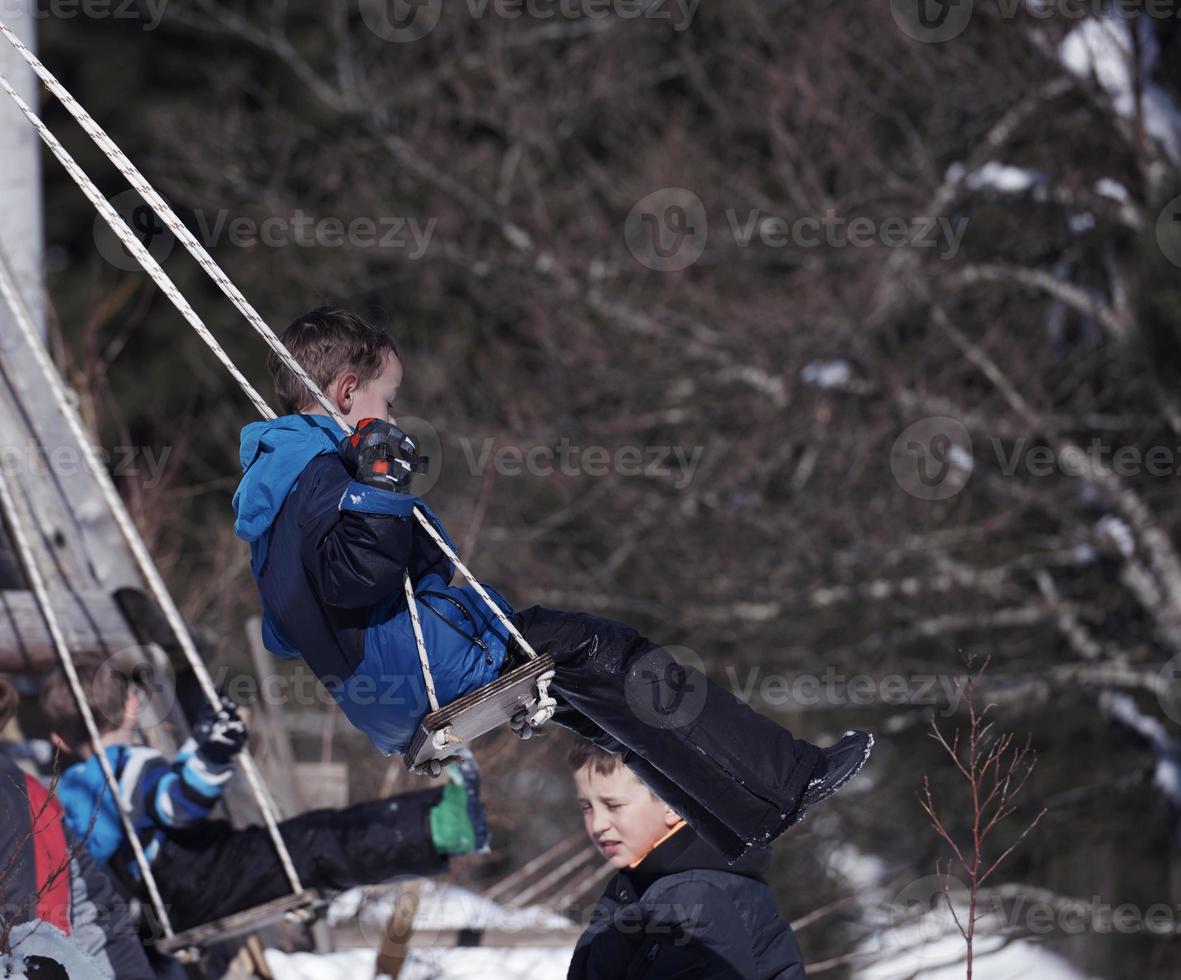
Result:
{"points": [[185, 792]]}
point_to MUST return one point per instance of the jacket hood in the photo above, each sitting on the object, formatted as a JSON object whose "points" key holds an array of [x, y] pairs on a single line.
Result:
{"points": [[273, 454]]}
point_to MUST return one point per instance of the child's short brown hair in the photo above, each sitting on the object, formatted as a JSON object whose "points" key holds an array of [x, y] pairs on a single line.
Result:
{"points": [[106, 692], [586, 753], [325, 342]]}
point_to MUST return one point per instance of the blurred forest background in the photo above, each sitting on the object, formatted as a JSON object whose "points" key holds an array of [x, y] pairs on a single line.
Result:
{"points": [[809, 536]]}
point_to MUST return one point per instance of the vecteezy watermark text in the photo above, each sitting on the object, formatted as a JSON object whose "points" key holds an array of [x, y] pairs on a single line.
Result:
{"points": [[676, 463], [65, 462], [936, 21], [151, 12], [404, 21], [668, 230], [838, 231], [833, 688], [407, 234]]}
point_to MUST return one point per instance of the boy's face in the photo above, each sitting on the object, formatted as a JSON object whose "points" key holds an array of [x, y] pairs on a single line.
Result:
{"points": [[620, 814], [373, 399]]}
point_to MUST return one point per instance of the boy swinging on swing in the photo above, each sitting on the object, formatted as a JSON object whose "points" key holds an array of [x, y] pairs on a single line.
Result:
{"points": [[331, 536]]}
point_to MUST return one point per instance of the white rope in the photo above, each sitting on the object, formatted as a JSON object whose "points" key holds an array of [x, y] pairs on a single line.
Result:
{"points": [[127, 237], [427, 677], [183, 235], [206, 261], [29, 565], [450, 553], [155, 583]]}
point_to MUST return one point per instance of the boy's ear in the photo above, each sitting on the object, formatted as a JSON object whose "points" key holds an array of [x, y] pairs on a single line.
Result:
{"points": [[671, 818], [60, 744], [343, 389]]}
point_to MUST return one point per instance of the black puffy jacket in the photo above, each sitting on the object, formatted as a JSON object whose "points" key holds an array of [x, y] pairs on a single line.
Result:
{"points": [[685, 912]]}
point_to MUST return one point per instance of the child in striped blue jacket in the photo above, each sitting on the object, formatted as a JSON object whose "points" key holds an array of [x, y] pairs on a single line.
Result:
{"points": [[206, 869]]}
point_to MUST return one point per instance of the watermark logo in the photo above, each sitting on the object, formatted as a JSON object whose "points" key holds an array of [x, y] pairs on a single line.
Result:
{"points": [[668, 230], [145, 225], [401, 21], [666, 687], [1168, 231], [832, 688], [932, 459], [832, 230], [676, 464], [143, 463], [151, 12], [150, 679], [430, 445], [936, 21], [404, 21], [931, 21], [919, 914], [409, 235]]}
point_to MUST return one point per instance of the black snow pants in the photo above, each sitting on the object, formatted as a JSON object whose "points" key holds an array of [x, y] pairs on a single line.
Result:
{"points": [[211, 870], [735, 776]]}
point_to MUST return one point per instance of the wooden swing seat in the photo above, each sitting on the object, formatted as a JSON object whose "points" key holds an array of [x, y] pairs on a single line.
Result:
{"points": [[475, 714]]}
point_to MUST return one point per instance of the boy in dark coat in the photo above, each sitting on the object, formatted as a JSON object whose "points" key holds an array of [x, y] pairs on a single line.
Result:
{"points": [[676, 907], [329, 550], [204, 867]]}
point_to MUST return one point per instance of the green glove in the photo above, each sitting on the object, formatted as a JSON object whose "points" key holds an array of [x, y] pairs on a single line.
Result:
{"points": [[459, 824]]}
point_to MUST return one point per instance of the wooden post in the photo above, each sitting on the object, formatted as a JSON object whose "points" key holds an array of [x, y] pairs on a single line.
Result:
{"points": [[279, 760], [20, 185], [395, 945]]}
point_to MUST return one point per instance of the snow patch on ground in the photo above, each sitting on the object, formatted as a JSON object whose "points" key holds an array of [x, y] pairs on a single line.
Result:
{"points": [[934, 946], [434, 964], [441, 906]]}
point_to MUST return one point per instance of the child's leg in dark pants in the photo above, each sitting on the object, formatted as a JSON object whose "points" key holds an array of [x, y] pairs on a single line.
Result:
{"points": [[734, 775], [213, 871]]}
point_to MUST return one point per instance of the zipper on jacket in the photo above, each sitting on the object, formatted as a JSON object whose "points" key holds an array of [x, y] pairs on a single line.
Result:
{"points": [[462, 608]]}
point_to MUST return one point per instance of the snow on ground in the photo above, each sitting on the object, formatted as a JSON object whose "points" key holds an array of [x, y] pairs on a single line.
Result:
{"points": [[451, 964], [911, 931], [441, 906], [934, 946], [444, 906]]}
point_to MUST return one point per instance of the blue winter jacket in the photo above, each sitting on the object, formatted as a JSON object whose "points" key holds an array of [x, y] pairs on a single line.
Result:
{"points": [[163, 796], [329, 554]]}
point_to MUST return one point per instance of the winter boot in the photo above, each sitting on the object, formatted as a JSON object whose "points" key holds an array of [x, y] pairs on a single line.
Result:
{"points": [[837, 765], [459, 824]]}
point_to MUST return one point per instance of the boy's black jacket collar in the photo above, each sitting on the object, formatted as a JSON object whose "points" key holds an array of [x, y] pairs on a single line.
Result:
{"points": [[684, 851]]}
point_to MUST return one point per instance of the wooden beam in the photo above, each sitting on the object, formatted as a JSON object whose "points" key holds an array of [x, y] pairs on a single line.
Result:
{"points": [[92, 620]]}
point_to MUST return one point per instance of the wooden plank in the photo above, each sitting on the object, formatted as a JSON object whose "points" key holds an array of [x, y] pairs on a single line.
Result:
{"points": [[514, 880], [240, 923], [479, 712], [75, 532], [399, 931], [555, 879], [278, 761], [92, 620]]}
